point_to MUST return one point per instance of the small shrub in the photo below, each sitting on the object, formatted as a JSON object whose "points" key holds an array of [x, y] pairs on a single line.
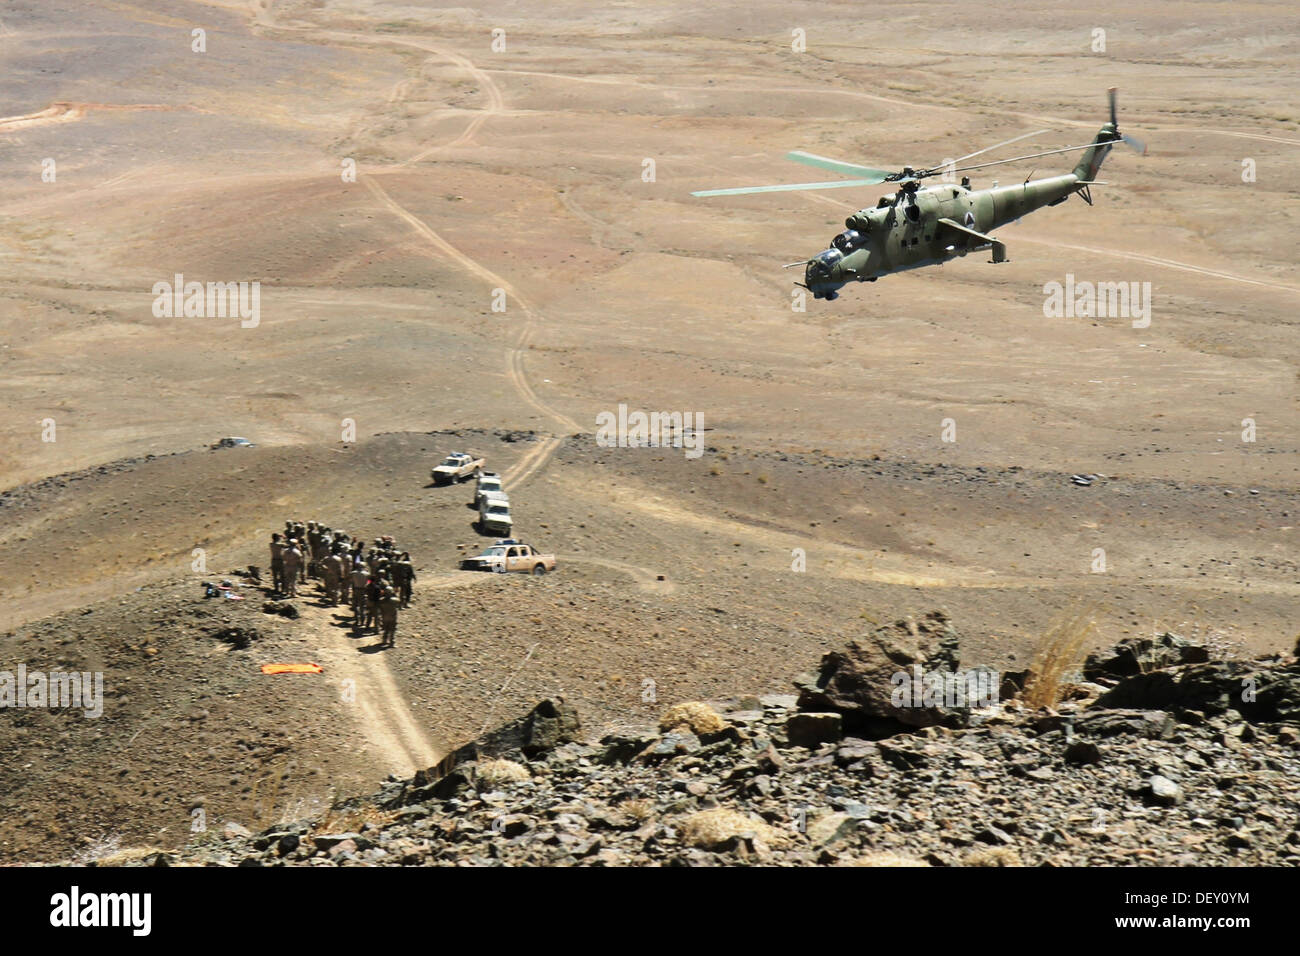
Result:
{"points": [[710, 829], [701, 718], [493, 773], [993, 856], [1059, 650]]}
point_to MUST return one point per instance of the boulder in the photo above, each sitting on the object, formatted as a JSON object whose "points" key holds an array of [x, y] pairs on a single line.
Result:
{"points": [[1142, 655], [1155, 724], [1163, 791], [813, 729], [327, 841], [551, 724], [675, 744], [1260, 694], [1082, 752], [872, 683]]}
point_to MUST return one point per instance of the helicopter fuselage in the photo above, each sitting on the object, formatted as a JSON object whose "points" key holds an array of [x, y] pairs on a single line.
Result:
{"points": [[927, 226]]}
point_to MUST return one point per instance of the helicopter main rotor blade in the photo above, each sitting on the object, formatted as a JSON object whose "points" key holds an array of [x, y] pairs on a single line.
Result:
{"points": [[1013, 159], [790, 187], [1005, 142], [837, 166]]}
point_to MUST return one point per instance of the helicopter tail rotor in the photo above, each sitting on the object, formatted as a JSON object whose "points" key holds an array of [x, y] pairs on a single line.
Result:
{"points": [[1132, 142]]}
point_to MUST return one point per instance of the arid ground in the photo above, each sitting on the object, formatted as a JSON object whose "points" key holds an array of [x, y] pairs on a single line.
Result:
{"points": [[550, 173]]}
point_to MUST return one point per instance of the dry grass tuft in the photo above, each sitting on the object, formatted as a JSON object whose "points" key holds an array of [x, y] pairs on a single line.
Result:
{"points": [[887, 858], [709, 829], [337, 820], [494, 773], [1059, 651], [638, 808], [701, 718], [128, 855], [993, 856]]}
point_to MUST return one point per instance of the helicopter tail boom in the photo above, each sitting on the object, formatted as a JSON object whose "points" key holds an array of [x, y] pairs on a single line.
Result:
{"points": [[1087, 168], [1107, 136]]}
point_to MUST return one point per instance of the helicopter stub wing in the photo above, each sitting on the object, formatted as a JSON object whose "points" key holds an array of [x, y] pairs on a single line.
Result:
{"points": [[999, 248], [955, 226]]}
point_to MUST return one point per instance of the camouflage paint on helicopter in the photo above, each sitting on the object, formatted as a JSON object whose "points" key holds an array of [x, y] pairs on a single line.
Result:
{"points": [[920, 226]]}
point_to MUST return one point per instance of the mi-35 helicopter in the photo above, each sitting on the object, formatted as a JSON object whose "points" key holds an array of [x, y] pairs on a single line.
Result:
{"points": [[917, 226]]}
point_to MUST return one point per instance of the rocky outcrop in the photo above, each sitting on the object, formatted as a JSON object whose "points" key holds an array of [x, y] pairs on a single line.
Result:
{"points": [[1255, 691], [764, 780], [1144, 655], [879, 685]]}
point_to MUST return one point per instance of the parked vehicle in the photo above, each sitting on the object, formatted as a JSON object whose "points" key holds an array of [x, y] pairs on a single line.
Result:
{"points": [[494, 515], [488, 481], [510, 555], [457, 467]]}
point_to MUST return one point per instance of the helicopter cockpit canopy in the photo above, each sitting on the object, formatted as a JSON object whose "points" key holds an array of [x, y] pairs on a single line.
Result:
{"points": [[848, 241], [824, 262]]}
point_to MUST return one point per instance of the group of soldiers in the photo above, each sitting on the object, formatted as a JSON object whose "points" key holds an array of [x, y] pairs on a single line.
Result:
{"points": [[375, 582]]}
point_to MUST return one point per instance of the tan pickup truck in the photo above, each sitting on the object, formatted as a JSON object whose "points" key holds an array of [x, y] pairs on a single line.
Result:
{"points": [[510, 555], [457, 467]]}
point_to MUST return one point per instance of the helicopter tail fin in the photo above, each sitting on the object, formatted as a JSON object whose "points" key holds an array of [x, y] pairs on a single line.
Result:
{"points": [[1096, 153]]}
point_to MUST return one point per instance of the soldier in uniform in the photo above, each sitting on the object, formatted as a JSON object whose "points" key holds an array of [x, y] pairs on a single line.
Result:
{"points": [[331, 570], [345, 573], [293, 563], [404, 577], [300, 536], [374, 590], [388, 605], [277, 563], [313, 550], [359, 579]]}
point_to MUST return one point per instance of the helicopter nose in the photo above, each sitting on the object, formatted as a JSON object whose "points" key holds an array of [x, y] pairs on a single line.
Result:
{"points": [[823, 275]]}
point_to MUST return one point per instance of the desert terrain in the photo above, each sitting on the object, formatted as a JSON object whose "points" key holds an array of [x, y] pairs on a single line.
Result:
{"points": [[825, 499]]}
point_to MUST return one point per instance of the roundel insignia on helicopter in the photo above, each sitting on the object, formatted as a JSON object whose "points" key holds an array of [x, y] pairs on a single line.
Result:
{"points": [[969, 220]]}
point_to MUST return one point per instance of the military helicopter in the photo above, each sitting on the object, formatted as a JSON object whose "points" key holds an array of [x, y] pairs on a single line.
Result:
{"points": [[919, 226]]}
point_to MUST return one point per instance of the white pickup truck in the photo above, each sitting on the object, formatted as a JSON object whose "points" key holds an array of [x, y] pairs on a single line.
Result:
{"points": [[494, 513], [457, 467], [488, 482], [510, 555]]}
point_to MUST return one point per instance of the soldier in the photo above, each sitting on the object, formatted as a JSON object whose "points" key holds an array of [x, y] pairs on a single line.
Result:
{"points": [[359, 578], [300, 536], [313, 549], [374, 591], [404, 577], [277, 563], [293, 563], [345, 573], [331, 571], [388, 605]]}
